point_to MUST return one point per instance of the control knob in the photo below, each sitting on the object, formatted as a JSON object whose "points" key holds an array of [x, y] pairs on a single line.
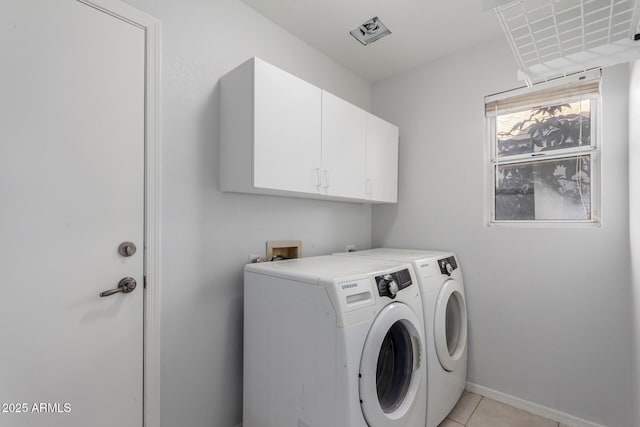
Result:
{"points": [[387, 286], [449, 269], [446, 267]]}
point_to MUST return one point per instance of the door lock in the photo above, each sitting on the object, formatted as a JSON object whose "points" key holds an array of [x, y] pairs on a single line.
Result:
{"points": [[127, 249], [125, 286]]}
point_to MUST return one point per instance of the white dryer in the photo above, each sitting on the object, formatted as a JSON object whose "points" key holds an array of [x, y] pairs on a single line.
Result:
{"points": [[444, 304], [333, 342]]}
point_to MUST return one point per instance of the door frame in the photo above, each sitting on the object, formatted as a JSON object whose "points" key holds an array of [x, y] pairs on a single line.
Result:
{"points": [[152, 212]]}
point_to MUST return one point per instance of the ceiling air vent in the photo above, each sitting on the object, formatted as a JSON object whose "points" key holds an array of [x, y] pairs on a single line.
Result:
{"points": [[370, 31], [550, 38]]}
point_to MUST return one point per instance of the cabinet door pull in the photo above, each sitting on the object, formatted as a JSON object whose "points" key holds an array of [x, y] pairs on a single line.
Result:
{"points": [[318, 177], [368, 188], [326, 179]]}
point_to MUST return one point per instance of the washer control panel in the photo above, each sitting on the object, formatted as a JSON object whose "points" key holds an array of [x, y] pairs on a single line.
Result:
{"points": [[447, 265], [390, 284]]}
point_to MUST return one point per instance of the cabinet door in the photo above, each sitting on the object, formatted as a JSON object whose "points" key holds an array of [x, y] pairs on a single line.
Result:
{"points": [[286, 131], [382, 160], [343, 148]]}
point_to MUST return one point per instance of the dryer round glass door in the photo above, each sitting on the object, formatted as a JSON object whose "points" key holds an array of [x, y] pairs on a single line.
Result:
{"points": [[450, 325], [390, 366]]}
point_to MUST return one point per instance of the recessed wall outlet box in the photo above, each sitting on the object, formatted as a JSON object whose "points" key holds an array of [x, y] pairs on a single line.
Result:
{"points": [[284, 249]]}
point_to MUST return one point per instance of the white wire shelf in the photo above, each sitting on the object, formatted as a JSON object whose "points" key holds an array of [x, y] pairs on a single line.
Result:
{"points": [[551, 38]]}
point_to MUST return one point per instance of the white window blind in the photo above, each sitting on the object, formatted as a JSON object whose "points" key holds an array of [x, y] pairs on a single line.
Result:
{"points": [[565, 89]]}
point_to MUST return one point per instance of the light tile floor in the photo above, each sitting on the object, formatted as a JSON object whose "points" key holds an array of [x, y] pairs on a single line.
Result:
{"points": [[473, 410]]}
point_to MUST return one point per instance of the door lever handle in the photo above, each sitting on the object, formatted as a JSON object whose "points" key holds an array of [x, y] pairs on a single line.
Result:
{"points": [[125, 285]]}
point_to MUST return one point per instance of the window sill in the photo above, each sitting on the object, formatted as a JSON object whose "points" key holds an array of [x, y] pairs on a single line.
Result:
{"points": [[544, 224]]}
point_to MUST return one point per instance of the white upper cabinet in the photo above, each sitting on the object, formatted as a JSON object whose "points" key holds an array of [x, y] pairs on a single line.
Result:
{"points": [[269, 130], [343, 148], [281, 135], [286, 131], [382, 160]]}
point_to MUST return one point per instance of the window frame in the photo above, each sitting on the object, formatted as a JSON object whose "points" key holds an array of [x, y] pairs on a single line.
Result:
{"points": [[492, 161]]}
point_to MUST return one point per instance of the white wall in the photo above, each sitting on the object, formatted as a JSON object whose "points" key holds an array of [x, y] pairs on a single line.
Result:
{"points": [[634, 217], [207, 235], [550, 316]]}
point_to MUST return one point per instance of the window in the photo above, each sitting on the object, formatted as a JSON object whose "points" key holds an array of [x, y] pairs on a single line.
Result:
{"points": [[544, 152]]}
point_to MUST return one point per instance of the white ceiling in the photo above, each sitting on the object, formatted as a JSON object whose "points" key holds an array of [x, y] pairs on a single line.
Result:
{"points": [[422, 30]]}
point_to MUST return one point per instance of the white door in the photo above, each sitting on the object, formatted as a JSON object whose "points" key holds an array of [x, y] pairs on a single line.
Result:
{"points": [[343, 147], [382, 160], [71, 190]]}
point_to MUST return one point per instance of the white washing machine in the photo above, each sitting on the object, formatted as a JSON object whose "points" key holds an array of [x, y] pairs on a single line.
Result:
{"points": [[333, 342], [444, 304]]}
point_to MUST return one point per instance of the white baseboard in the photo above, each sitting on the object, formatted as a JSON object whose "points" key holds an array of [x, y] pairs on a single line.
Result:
{"points": [[534, 408]]}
